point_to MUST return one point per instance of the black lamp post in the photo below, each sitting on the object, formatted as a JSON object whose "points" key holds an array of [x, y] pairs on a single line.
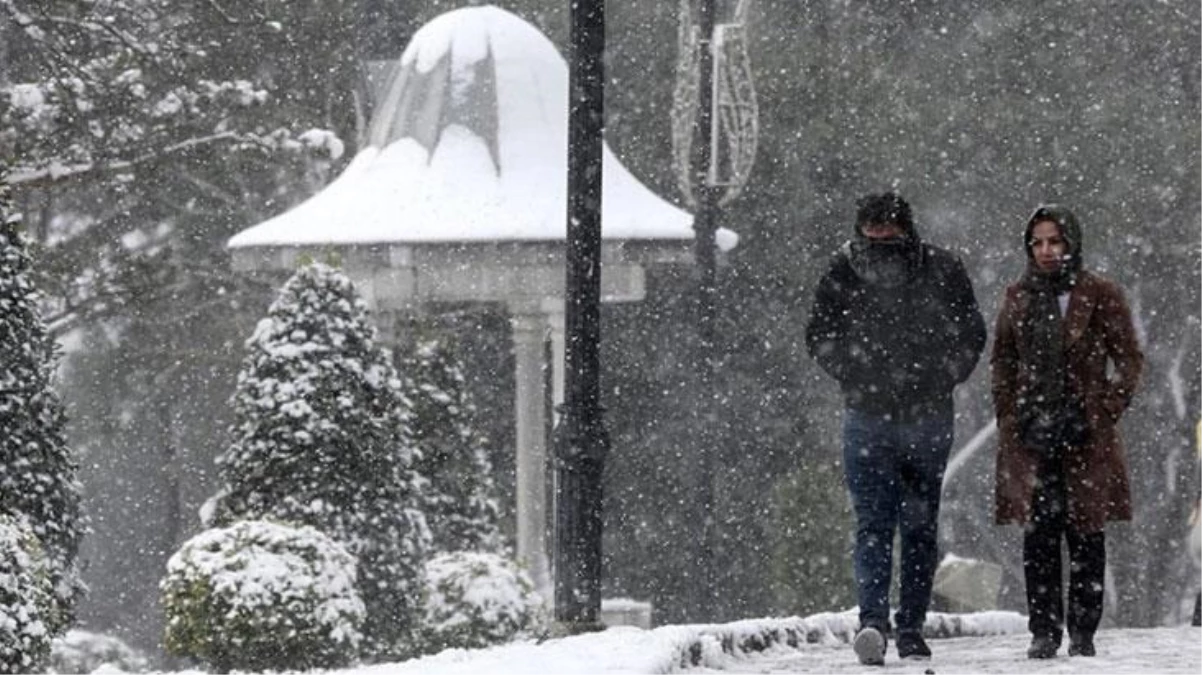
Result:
{"points": [[580, 441], [714, 117], [704, 253]]}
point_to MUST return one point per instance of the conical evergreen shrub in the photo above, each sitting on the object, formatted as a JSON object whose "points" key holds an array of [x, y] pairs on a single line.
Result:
{"points": [[321, 439], [38, 474], [26, 599], [461, 503]]}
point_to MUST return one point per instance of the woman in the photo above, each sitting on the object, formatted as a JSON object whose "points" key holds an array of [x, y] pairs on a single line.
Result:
{"points": [[1060, 465]]}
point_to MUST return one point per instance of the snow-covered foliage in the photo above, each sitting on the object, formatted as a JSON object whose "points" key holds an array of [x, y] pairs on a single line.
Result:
{"points": [[143, 80], [82, 651], [25, 599], [259, 595], [144, 117], [320, 439], [461, 505], [478, 600], [37, 470]]}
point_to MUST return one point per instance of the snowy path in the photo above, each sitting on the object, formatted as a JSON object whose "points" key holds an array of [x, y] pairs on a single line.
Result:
{"points": [[996, 643], [1155, 650]]}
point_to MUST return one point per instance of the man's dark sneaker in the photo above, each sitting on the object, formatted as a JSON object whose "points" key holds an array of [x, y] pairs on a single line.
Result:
{"points": [[869, 645], [1081, 644], [910, 645], [1043, 647]]}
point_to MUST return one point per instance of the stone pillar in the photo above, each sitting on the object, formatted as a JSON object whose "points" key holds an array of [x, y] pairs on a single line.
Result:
{"points": [[529, 331]]}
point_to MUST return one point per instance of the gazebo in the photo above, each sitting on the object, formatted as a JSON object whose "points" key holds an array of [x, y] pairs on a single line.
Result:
{"points": [[460, 195]]}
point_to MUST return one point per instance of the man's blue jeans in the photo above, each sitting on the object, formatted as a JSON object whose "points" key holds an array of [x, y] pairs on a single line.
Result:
{"points": [[894, 471]]}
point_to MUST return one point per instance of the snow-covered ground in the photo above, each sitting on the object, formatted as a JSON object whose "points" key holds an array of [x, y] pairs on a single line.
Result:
{"points": [[981, 642], [993, 642], [1127, 650], [998, 646]]}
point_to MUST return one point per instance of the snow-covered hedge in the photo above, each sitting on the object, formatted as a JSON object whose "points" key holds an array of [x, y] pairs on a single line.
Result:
{"points": [[25, 599], [259, 595], [478, 599], [721, 646], [81, 651]]}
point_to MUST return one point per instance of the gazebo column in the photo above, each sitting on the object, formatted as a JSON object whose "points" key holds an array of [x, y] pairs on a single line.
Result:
{"points": [[529, 328], [553, 314]]}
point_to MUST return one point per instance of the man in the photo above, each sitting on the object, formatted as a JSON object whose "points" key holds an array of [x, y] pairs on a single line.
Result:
{"points": [[895, 321]]}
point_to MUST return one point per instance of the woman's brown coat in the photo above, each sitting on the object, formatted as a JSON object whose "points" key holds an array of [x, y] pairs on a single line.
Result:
{"points": [[1098, 328]]}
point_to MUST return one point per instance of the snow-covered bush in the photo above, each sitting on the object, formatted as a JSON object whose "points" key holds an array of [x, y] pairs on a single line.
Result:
{"points": [[321, 439], [81, 651], [37, 470], [25, 599], [478, 599], [460, 499], [263, 596]]}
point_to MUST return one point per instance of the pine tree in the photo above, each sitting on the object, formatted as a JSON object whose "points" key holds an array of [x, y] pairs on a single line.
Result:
{"points": [[320, 439], [37, 470], [461, 504]]}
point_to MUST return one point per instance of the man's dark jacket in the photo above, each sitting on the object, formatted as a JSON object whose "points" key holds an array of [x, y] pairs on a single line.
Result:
{"points": [[902, 350]]}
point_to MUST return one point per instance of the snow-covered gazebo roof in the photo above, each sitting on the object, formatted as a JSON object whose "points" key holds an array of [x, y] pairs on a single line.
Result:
{"points": [[469, 143]]}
